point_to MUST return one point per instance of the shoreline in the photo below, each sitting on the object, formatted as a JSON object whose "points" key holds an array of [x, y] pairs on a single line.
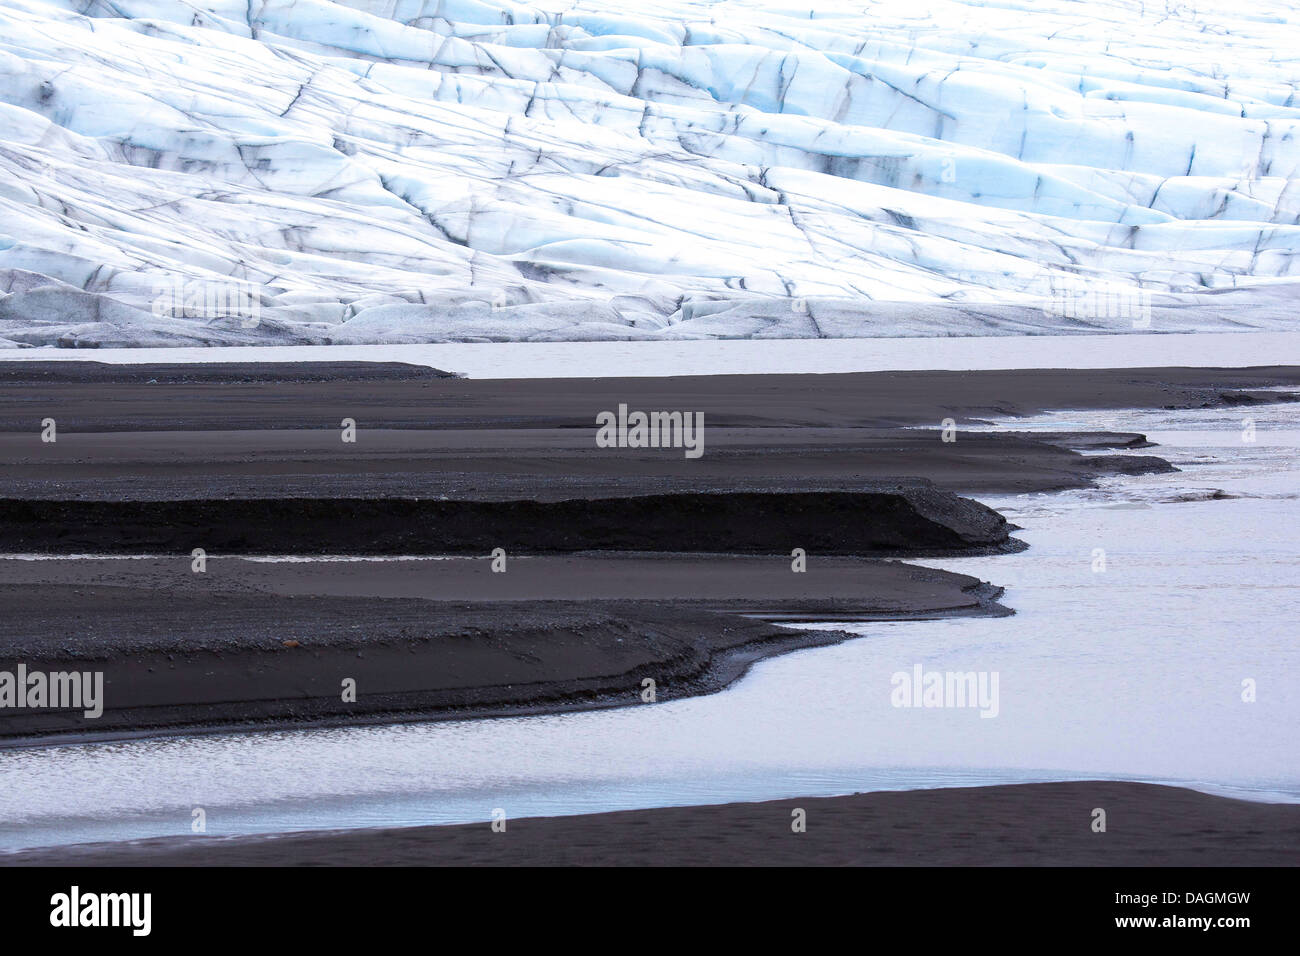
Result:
{"points": [[221, 458], [1038, 824], [262, 646]]}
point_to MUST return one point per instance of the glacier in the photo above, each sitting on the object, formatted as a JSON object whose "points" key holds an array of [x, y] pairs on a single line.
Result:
{"points": [[307, 172]]}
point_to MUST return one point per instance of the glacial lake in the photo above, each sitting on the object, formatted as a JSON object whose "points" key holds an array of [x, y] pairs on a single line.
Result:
{"points": [[1133, 672], [751, 356]]}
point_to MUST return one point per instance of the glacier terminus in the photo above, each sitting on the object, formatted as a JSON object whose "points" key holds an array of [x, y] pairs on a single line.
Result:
{"points": [[306, 172]]}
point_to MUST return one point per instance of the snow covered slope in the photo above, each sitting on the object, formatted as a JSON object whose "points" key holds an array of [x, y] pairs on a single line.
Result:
{"points": [[353, 171]]}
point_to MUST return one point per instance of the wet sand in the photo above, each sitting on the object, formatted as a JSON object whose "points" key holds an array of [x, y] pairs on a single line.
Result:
{"points": [[147, 433], [90, 396], [249, 459], [259, 645], [1048, 824], [245, 459], [907, 518]]}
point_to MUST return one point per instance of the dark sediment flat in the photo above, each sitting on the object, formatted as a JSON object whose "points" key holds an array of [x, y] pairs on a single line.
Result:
{"points": [[913, 519], [214, 373], [1045, 824], [250, 459], [92, 396], [137, 433], [182, 650], [510, 464]]}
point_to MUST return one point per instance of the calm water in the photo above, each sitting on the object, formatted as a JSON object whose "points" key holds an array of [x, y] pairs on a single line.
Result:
{"points": [[1134, 672], [730, 357]]}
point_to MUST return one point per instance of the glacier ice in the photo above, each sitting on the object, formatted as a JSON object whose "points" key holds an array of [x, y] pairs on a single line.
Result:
{"points": [[400, 171]]}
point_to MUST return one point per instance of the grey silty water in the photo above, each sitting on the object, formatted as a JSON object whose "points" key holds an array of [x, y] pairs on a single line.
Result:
{"points": [[1131, 672]]}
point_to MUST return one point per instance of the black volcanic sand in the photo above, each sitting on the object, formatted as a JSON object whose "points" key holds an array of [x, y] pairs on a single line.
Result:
{"points": [[233, 395], [1044, 824], [907, 519], [248, 459], [256, 644], [268, 432]]}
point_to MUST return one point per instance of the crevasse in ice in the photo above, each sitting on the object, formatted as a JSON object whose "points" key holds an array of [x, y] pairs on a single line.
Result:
{"points": [[308, 171]]}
